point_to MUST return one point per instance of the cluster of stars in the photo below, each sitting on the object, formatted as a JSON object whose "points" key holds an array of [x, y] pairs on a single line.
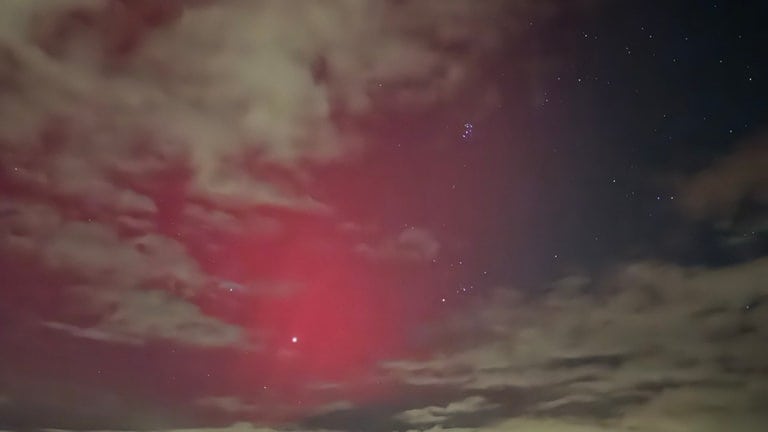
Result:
{"points": [[467, 133], [463, 289]]}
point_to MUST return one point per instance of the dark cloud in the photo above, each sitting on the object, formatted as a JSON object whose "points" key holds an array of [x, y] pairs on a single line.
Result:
{"points": [[730, 185], [227, 404]]}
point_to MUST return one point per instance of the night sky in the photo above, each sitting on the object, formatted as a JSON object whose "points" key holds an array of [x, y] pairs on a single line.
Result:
{"points": [[384, 215]]}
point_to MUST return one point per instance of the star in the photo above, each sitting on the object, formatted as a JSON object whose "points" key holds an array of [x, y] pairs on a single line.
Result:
{"points": [[294, 339]]}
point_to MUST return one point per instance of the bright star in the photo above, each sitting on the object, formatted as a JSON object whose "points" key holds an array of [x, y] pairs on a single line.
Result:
{"points": [[294, 339]]}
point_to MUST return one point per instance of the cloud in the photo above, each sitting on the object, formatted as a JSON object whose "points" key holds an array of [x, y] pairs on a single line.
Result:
{"points": [[120, 87], [138, 287], [229, 404], [340, 405], [136, 316], [650, 345], [411, 244], [95, 250], [532, 425], [439, 414], [222, 222], [116, 115], [523, 424], [236, 427], [95, 334], [732, 182]]}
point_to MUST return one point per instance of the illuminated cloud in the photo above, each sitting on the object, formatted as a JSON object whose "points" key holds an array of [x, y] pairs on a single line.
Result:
{"points": [[412, 244], [133, 96], [652, 344], [204, 201], [138, 288], [113, 109], [136, 316], [439, 414]]}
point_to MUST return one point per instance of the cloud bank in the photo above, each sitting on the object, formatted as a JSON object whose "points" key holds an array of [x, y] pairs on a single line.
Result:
{"points": [[130, 127], [649, 347]]}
